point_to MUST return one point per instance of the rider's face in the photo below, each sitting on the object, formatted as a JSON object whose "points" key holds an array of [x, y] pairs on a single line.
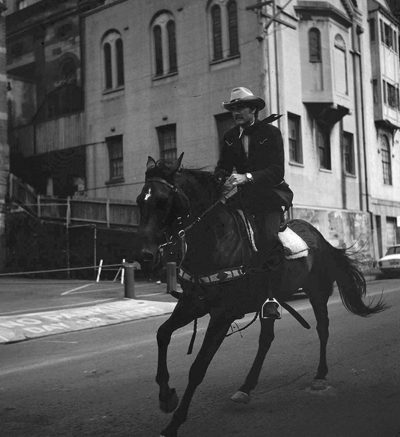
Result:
{"points": [[243, 115]]}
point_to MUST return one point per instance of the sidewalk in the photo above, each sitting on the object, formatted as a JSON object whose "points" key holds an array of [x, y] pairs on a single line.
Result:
{"points": [[37, 308]]}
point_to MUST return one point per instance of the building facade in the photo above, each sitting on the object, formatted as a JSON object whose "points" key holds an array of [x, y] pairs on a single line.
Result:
{"points": [[4, 150], [136, 78]]}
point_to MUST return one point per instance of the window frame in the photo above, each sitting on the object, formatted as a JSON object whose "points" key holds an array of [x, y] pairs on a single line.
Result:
{"points": [[314, 45], [296, 155], [386, 160], [324, 150], [113, 61], [340, 45], [348, 153], [163, 132], [115, 158], [164, 45], [223, 35]]}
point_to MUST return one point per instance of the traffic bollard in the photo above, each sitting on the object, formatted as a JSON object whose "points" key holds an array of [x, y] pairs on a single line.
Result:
{"points": [[129, 280]]}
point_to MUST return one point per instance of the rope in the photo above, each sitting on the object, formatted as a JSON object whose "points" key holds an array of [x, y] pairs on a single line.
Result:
{"points": [[54, 270], [244, 327]]}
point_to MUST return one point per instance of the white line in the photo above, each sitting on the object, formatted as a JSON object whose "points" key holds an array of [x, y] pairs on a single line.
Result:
{"points": [[98, 290], [30, 311], [73, 289]]}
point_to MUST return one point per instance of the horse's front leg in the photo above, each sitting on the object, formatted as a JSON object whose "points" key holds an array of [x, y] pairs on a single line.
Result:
{"points": [[183, 314], [215, 335], [264, 343]]}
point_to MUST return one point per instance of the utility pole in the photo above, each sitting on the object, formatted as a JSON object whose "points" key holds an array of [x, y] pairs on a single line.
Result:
{"points": [[270, 52], [4, 150]]}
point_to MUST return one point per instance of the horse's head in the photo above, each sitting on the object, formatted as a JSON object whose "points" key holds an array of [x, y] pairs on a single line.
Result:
{"points": [[160, 203]]}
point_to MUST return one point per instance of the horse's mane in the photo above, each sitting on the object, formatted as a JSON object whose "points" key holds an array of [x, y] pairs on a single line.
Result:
{"points": [[200, 184]]}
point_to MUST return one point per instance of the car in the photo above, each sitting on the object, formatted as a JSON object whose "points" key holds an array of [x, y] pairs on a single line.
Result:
{"points": [[389, 264]]}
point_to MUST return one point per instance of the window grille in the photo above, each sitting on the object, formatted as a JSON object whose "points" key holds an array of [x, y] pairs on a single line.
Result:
{"points": [[167, 141]]}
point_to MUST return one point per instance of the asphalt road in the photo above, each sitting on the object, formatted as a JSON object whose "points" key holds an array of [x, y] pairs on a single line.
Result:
{"points": [[100, 382]]}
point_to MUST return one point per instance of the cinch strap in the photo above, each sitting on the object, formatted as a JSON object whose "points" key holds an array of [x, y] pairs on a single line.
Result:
{"points": [[220, 276]]}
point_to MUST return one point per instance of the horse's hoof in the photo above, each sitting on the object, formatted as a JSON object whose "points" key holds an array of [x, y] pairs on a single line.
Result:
{"points": [[240, 397], [168, 405], [319, 385]]}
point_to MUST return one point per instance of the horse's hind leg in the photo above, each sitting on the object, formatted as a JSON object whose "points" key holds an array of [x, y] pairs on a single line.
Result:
{"points": [[264, 343], [182, 315], [319, 303]]}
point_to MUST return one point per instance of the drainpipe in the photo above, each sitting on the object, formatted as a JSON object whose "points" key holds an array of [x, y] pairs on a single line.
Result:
{"points": [[357, 57]]}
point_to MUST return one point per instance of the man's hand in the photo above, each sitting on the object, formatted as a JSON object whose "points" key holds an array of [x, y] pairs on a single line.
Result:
{"points": [[237, 179]]}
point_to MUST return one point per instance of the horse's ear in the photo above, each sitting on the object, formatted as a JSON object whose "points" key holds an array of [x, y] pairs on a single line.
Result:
{"points": [[151, 163]]}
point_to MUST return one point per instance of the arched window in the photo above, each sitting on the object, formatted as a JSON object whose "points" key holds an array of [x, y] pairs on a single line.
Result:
{"points": [[386, 160], [340, 62], [164, 44], [113, 60], [314, 45], [233, 28], [224, 29]]}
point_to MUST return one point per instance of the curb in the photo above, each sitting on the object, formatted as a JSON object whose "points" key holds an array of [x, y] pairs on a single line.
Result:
{"points": [[27, 326]]}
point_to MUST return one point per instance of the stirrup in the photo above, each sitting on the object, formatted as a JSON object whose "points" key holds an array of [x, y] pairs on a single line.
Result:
{"points": [[274, 316]]}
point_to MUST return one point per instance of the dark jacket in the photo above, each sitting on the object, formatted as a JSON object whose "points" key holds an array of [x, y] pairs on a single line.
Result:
{"points": [[265, 161]]}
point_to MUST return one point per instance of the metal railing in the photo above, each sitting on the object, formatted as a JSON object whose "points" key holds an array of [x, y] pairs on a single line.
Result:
{"points": [[71, 210]]}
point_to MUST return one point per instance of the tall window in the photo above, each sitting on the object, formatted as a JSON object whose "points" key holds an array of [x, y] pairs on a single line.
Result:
{"points": [[167, 141], [224, 27], [314, 45], [233, 28], [324, 147], [295, 149], [164, 44], [217, 32], [113, 60], [386, 160], [348, 153], [340, 59], [116, 158]]}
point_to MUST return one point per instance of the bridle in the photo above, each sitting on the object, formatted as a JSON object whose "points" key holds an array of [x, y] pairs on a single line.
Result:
{"points": [[182, 232]]}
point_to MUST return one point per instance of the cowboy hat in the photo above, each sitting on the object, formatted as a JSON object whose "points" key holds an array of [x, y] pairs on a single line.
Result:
{"points": [[243, 96]]}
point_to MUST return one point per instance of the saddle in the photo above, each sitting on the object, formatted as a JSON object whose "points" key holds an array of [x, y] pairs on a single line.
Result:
{"points": [[293, 245]]}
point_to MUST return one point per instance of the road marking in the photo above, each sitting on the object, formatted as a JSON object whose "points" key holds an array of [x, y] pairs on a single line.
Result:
{"points": [[74, 289], [98, 290], [29, 311]]}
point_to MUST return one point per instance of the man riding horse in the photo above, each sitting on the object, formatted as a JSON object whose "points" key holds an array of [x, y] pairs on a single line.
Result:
{"points": [[252, 154]]}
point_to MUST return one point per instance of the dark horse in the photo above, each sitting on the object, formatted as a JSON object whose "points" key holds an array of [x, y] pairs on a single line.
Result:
{"points": [[213, 242]]}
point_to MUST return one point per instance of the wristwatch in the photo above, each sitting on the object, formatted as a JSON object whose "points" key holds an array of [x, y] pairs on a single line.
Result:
{"points": [[249, 177]]}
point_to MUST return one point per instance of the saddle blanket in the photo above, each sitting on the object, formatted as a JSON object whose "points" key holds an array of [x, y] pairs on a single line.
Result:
{"points": [[294, 246]]}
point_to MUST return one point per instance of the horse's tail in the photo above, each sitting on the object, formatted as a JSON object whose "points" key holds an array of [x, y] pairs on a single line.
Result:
{"points": [[352, 285]]}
